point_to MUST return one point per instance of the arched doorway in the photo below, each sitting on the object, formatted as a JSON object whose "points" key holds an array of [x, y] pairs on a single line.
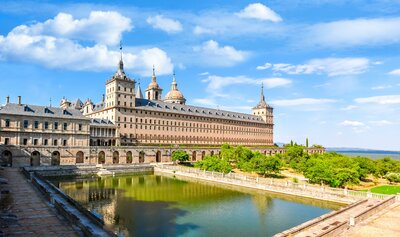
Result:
{"points": [[203, 154], [194, 156], [35, 158], [212, 153], [158, 156], [79, 157], [141, 157], [101, 158], [55, 158], [115, 157], [129, 157], [6, 158]]}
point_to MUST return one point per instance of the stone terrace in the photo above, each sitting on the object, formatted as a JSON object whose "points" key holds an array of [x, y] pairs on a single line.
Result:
{"points": [[24, 212]]}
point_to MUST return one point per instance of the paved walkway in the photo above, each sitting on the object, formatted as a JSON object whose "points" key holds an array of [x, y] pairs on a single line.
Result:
{"points": [[25, 212], [381, 224], [335, 220]]}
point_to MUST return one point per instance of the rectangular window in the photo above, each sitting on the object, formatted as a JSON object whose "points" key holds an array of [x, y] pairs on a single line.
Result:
{"points": [[25, 142], [46, 125], [7, 123], [55, 142], [55, 125], [35, 142], [26, 123], [6, 141], [65, 143], [80, 127], [36, 124], [65, 126], [46, 142]]}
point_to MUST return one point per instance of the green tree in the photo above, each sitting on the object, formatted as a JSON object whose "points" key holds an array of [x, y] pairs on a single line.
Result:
{"points": [[214, 163], [180, 155]]}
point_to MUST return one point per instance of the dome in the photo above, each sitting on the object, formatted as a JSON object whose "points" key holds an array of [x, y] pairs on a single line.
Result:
{"points": [[174, 95]]}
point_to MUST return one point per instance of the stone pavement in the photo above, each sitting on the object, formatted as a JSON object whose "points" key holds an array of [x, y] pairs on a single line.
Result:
{"points": [[335, 220], [385, 223], [25, 212]]}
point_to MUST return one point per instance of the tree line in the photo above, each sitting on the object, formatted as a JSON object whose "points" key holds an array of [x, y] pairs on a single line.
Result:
{"points": [[333, 169]]}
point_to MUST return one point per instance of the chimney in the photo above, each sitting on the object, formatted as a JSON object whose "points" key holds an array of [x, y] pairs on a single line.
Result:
{"points": [[7, 100], [103, 98], [19, 100]]}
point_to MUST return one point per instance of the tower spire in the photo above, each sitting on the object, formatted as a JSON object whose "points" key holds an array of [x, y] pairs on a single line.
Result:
{"points": [[262, 98], [153, 78], [121, 63]]}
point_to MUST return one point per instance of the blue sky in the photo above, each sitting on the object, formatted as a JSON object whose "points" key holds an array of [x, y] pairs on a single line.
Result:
{"points": [[331, 68]]}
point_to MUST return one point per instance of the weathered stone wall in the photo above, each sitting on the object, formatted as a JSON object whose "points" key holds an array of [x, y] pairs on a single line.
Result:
{"points": [[18, 156]]}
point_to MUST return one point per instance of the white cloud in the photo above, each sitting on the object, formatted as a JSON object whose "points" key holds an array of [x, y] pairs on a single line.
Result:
{"points": [[228, 24], [165, 24], [204, 74], [302, 101], [395, 72], [381, 100], [55, 50], [381, 87], [357, 126], [103, 27], [381, 122], [330, 66], [263, 67], [346, 33], [352, 123], [213, 54], [260, 12], [349, 107], [215, 83]]}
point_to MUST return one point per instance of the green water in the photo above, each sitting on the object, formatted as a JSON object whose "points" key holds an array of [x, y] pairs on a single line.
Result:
{"points": [[155, 205]]}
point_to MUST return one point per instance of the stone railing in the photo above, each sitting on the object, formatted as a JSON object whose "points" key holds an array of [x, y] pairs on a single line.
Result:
{"points": [[275, 185]]}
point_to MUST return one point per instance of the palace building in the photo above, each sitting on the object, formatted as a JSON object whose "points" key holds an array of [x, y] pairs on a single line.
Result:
{"points": [[126, 118], [154, 120]]}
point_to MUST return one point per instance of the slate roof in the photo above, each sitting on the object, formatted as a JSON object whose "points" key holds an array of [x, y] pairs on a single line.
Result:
{"points": [[161, 106], [41, 111], [101, 122]]}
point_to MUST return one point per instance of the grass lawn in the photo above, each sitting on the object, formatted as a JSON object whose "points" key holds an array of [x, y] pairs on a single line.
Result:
{"points": [[386, 189]]}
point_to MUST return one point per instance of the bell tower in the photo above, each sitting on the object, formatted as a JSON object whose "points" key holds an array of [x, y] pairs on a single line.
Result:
{"points": [[264, 110], [153, 91]]}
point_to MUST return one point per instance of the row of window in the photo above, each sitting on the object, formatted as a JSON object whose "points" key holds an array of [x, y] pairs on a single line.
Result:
{"points": [[35, 142], [46, 124]]}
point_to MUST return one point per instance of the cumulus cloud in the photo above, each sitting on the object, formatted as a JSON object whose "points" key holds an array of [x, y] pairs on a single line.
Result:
{"points": [[347, 33], [48, 45], [260, 12], [302, 101], [330, 66], [212, 54], [165, 24], [215, 83], [380, 100], [395, 72], [104, 27]]}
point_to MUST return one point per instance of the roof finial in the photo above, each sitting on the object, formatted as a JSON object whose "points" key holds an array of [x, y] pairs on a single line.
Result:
{"points": [[50, 102], [120, 48], [174, 77], [262, 92]]}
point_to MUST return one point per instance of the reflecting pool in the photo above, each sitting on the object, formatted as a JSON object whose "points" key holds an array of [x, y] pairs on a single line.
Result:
{"points": [[158, 205]]}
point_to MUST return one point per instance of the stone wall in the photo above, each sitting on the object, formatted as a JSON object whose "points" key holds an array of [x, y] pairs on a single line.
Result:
{"points": [[18, 156]]}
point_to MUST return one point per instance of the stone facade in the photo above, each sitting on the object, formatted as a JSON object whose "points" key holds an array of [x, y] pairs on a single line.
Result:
{"points": [[124, 124], [53, 155]]}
